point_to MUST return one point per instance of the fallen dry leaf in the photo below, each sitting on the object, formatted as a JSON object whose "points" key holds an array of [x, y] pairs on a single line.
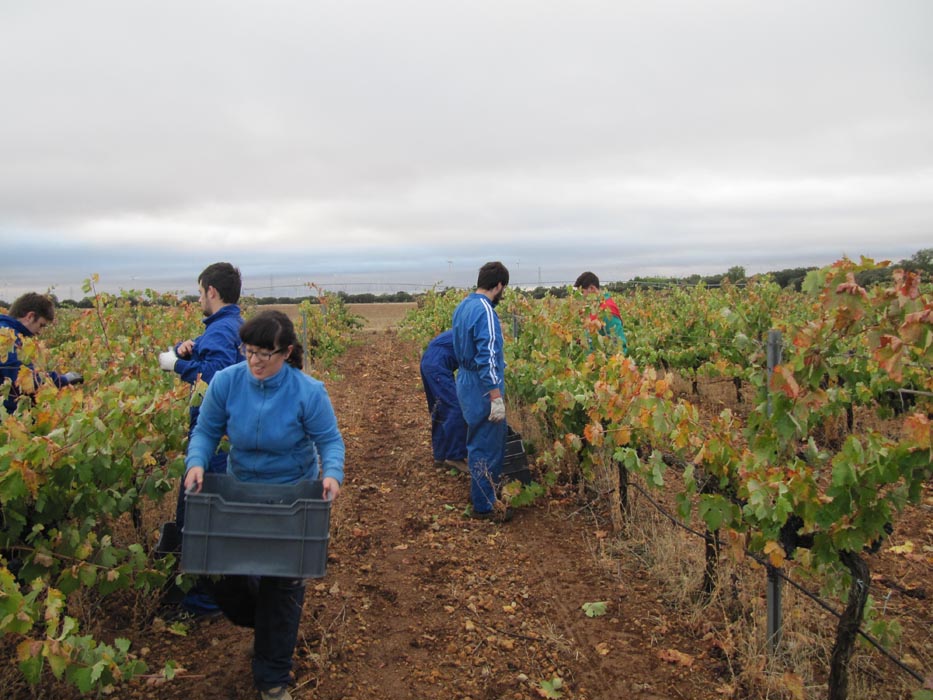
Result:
{"points": [[794, 684], [906, 548], [672, 656]]}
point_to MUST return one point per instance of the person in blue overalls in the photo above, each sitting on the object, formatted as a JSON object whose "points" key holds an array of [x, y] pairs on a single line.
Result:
{"points": [[481, 385], [448, 429]]}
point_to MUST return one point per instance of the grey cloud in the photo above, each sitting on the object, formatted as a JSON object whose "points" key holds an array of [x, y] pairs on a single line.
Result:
{"points": [[365, 138]]}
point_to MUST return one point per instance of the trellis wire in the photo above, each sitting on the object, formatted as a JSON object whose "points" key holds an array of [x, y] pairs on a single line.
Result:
{"points": [[784, 577]]}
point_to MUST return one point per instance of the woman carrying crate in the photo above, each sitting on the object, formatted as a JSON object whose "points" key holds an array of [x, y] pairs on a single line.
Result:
{"points": [[282, 429]]}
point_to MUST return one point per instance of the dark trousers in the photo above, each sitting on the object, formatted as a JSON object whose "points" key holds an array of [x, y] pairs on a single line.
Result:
{"points": [[272, 607]]}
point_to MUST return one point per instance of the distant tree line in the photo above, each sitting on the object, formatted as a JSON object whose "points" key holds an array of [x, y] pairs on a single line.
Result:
{"points": [[921, 261], [366, 298]]}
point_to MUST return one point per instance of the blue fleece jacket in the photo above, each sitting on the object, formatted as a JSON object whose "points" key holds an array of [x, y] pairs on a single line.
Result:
{"points": [[277, 426], [9, 368]]}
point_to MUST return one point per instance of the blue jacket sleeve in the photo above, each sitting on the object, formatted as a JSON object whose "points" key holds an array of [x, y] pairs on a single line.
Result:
{"points": [[212, 353], [320, 424], [487, 344]]}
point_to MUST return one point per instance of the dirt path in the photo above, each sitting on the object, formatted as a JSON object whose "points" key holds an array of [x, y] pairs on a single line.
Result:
{"points": [[422, 602]]}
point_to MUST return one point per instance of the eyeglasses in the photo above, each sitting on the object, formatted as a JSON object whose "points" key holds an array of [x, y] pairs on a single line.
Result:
{"points": [[264, 355]]}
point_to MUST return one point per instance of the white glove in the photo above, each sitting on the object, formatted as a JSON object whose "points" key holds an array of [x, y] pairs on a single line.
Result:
{"points": [[497, 410], [73, 377], [167, 360]]}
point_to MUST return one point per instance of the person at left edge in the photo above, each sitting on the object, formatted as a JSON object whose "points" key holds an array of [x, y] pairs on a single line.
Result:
{"points": [[282, 429], [27, 318], [218, 347]]}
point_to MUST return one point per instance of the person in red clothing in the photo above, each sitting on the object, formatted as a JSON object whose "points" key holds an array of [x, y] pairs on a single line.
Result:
{"points": [[588, 283]]}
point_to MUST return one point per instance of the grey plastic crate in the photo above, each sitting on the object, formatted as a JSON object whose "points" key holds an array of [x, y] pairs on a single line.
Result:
{"points": [[239, 527]]}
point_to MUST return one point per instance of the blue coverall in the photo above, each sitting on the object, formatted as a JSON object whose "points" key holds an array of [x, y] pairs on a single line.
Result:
{"points": [[478, 348], [448, 429]]}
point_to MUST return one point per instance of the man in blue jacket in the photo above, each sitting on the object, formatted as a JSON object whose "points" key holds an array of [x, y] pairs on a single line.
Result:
{"points": [[448, 429], [27, 318], [481, 385], [201, 358]]}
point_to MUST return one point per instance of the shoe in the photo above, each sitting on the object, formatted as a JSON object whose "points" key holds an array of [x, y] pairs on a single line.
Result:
{"points": [[280, 692], [459, 464], [200, 603], [497, 516], [175, 613], [440, 464]]}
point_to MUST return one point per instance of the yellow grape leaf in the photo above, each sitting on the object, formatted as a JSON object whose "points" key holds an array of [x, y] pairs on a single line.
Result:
{"points": [[26, 380], [28, 649], [29, 476], [603, 649], [775, 553]]}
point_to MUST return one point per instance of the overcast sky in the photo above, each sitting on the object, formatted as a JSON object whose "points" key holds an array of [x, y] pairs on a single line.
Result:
{"points": [[385, 144]]}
